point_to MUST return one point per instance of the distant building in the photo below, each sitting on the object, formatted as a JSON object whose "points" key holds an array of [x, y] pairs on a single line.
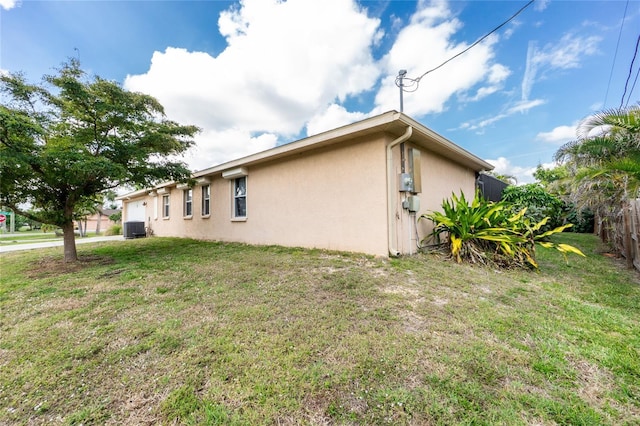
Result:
{"points": [[359, 188], [100, 222]]}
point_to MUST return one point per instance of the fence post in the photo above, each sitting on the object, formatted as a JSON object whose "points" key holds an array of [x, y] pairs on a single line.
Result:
{"points": [[635, 240], [627, 239]]}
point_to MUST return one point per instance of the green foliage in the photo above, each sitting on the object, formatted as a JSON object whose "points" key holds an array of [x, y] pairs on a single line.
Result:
{"points": [[49, 228], [68, 141], [583, 219], [538, 202], [546, 177], [487, 232], [114, 230], [604, 161], [116, 217]]}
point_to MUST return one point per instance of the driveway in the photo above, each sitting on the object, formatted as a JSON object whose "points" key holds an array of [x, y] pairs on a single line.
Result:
{"points": [[58, 243]]}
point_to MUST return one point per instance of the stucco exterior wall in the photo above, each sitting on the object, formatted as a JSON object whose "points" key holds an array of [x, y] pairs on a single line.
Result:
{"points": [[321, 195], [440, 178], [333, 198]]}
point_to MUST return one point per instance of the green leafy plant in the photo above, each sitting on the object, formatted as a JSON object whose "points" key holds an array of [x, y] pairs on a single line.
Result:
{"points": [[539, 204], [487, 232], [114, 230]]}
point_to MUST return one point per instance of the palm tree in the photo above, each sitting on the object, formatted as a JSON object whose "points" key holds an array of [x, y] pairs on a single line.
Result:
{"points": [[606, 155], [604, 161]]}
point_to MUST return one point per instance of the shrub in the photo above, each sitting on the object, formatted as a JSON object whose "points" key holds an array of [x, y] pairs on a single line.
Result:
{"points": [[487, 232], [582, 219], [114, 230], [538, 202], [48, 228]]}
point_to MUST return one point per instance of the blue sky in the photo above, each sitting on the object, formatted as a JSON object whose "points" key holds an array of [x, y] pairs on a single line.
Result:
{"points": [[258, 73]]}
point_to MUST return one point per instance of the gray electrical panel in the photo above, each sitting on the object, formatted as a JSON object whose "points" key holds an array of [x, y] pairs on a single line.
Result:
{"points": [[412, 203], [406, 182]]}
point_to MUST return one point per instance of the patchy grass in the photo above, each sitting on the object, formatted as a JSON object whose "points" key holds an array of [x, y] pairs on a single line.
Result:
{"points": [[177, 331]]}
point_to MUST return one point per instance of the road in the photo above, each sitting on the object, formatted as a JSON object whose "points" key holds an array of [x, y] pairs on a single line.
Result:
{"points": [[4, 248]]}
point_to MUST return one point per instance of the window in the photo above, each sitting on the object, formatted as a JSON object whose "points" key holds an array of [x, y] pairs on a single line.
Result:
{"points": [[165, 206], [188, 202], [240, 197], [206, 203]]}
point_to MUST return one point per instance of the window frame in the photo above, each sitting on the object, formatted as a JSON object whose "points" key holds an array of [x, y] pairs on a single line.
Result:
{"points": [[166, 206], [205, 206], [187, 202], [238, 196]]}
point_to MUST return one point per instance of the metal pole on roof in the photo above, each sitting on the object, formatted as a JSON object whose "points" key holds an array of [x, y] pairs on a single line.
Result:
{"points": [[401, 75]]}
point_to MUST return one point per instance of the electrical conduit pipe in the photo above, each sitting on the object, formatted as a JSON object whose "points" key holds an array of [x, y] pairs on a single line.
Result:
{"points": [[391, 228]]}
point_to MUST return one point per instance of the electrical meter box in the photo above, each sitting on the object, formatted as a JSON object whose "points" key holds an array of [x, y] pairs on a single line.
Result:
{"points": [[406, 182], [412, 204]]}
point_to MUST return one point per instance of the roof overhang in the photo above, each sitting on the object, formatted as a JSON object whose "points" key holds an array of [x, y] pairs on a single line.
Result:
{"points": [[392, 123]]}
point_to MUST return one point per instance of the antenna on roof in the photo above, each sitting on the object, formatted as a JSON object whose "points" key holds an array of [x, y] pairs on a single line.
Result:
{"points": [[401, 75]]}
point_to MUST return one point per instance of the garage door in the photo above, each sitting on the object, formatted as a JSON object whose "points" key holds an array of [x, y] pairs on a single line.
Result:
{"points": [[135, 211]]}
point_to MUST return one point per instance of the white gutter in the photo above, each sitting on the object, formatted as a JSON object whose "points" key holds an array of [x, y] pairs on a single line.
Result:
{"points": [[391, 228]]}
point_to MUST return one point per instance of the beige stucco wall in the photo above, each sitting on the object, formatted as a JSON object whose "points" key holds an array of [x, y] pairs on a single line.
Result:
{"points": [[440, 178], [333, 199]]}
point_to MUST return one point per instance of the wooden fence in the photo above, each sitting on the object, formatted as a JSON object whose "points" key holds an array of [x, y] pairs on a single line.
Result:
{"points": [[622, 231]]}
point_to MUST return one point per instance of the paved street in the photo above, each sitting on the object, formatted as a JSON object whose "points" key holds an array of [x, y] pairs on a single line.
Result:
{"points": [[7, 247]]}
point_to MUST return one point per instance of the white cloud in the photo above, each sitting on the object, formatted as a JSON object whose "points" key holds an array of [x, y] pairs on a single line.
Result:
{"points": [[284, 68], [9, 4], [517, 107], [523, 174], [562, 55], [426, 42], [334, 116], [215, 147], [559, 135], [541, 5], [283, 64]]}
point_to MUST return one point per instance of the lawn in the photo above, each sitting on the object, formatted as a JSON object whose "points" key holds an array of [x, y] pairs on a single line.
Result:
{"points": [[177, 331], [29, 237]]}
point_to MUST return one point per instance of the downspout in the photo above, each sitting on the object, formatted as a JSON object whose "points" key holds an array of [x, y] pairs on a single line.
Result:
{"points": [[391, 228]]}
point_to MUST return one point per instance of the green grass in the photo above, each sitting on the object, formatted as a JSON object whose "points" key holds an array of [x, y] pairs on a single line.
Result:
{"points": [[29, 237], [177, 331]]}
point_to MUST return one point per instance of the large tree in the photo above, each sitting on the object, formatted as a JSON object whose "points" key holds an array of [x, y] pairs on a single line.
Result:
{"points": [[70, 138]]}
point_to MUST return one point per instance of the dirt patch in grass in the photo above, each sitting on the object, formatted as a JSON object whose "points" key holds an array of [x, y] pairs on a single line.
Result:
{"points": [[55, 266]]}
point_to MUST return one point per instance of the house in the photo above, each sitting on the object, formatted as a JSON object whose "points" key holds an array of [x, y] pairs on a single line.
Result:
{"points": [[99, 222], [358, 188]]}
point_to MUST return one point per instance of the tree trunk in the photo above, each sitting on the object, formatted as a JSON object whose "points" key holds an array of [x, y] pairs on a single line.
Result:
{"points": [[70, 253], [98, 223]]}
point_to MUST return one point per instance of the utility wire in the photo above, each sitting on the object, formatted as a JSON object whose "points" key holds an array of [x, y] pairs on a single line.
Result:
{"points": [[415, 81], [635, 80], [615, 55], [635, 53]]}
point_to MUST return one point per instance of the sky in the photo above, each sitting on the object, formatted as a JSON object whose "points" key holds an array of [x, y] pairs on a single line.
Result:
{"points": [[256, 74]]}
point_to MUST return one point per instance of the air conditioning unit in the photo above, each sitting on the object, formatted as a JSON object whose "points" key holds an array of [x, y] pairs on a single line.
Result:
{"points": [[134, 230]]}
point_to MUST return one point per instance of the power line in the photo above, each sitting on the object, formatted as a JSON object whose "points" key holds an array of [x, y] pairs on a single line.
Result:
{"points": [[415, 81], [615, 55], [633, 86], [635, 53]]}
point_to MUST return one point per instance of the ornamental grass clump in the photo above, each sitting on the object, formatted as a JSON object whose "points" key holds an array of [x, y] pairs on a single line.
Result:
{"points": [[488, 232]]}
